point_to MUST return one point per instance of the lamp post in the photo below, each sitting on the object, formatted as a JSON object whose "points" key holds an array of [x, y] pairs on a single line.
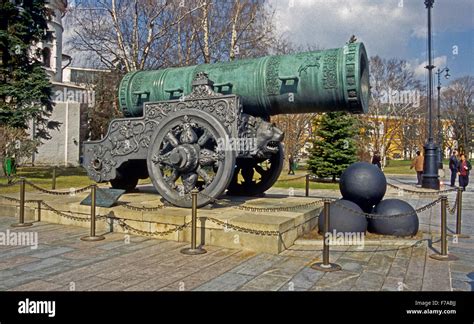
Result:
{"points": [[430, 178], [440, 124]]}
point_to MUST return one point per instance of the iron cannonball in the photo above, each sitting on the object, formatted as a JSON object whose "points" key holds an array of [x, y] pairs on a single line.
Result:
{"points": [[364, 184], [396, 225], [343, 219]]}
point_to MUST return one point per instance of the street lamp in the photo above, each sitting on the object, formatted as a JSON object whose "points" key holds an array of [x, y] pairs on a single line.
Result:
{"points": [[430, 178], [440, 125]]}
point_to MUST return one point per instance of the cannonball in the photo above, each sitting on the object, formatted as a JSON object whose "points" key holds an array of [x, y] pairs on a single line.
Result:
{"points": [[398, 226], [364, 184], [343, 219]]}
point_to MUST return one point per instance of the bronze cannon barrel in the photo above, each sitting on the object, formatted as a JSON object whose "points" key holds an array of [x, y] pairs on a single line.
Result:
{"points": [[316, 81]]}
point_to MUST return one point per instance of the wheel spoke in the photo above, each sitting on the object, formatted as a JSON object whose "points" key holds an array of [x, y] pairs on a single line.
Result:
{"points": [[171, 139], [207, 157], [203, 174], [204, 138], [189, 181], [171, 179], [188, 136]]}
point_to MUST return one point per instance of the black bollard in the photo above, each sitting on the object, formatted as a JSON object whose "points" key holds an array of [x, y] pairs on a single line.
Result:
{"points": [[326, 266], [193, 250], [93, 237], [22, 223], [444, 256]]}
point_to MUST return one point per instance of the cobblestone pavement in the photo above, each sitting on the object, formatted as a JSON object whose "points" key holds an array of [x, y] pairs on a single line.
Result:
{"points": [[63, 262]]}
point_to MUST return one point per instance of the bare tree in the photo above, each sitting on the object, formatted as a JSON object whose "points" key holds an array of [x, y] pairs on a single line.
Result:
{"points": [[396, 99], [458, 106], [128, 35]]}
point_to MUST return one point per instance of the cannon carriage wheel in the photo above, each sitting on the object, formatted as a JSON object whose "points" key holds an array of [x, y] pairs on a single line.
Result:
{"points": [[255, 176], [185, 154]]}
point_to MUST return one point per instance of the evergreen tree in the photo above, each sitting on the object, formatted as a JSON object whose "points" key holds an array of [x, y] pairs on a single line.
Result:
{"points": [[25, 89], [334, 146]]}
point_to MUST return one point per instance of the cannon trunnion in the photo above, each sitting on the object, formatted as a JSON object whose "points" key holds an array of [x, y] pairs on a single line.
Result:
{"points": [[194, 133]]}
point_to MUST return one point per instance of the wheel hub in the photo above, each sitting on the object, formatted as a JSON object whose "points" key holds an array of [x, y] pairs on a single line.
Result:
{"points": [[184, 157]]}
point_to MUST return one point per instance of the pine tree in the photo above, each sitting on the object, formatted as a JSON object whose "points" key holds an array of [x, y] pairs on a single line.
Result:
{"points": [[334, 146], [25, 89]]}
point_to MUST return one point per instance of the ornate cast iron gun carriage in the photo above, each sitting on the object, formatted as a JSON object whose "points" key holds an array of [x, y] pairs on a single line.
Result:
{"points": [[207, 127]]}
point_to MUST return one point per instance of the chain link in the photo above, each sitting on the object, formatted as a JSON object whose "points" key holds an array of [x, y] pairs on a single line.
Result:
{"points": [[137, 231], [142, 208], [58, 193], [291, 179], [274, 209], [452, 210], [18, 200], [381, 216], [421, 193], [240, 228], [266, 209], [63, 214]]}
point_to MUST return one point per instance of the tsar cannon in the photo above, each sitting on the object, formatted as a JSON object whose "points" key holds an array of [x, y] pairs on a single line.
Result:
{"points": [[207, 127]]}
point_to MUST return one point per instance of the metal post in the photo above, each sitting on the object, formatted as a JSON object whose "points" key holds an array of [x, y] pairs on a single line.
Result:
{"points": [[440, 126], [326, 266], [444, 256], [39, 210], [459, 215], [430, 178], [92, 236], [193, 250], [307, 186], [53, 184], [22, 223]]}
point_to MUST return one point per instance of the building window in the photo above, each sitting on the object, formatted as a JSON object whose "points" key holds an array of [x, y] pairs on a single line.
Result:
{"points": [[46, 52]]}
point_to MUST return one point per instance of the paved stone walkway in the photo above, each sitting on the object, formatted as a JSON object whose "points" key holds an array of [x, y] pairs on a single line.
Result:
{"points": [[121, 262]]}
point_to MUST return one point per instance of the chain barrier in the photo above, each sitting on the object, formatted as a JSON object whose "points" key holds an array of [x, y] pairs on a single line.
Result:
{"points": [[18, 200], [63, 214], [123, 224], [266, 209], [452, 210], [240, 228], [291, 179], [379, 216], [58, 193], [142, 208], [288, 208], [421, 193]]}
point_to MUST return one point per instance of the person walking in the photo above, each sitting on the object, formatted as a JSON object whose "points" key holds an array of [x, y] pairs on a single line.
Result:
{"points": [[464, 166], [453, 166], [417, 163], [376, 160], [291, 163]]}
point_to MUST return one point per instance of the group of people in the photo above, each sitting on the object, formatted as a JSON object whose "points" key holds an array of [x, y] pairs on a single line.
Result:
{"points": [[461, 168], [458, 167]]}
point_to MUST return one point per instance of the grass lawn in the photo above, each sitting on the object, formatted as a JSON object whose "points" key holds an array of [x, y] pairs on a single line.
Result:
{"points": [[402, 167], [67, 178]]}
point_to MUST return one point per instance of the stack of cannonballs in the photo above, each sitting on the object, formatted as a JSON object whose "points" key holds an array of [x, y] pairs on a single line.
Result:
{"points": [[363, 186]]}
